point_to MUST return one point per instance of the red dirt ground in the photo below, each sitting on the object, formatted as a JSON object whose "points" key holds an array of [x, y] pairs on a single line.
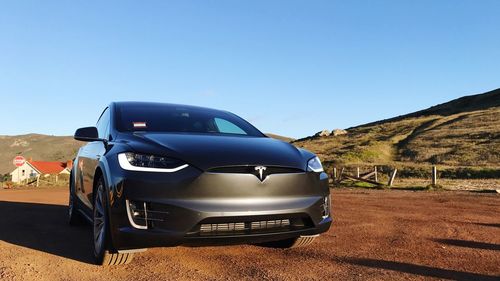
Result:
{"points": [[377, 235]]}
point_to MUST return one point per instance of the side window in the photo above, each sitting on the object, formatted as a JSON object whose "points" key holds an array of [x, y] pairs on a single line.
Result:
{"points": [[227, 127], [103, 124]]}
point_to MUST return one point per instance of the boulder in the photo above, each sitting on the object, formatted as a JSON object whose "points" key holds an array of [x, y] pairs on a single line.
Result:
{"points": [[323, 133], [338, 132]]}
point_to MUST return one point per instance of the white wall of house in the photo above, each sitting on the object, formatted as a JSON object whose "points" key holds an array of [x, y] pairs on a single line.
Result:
{"points": [[24, 172], [64, 172]]}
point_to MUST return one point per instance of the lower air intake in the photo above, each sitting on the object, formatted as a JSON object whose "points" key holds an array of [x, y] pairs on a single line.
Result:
{"points": [[269, 224], [222, 227], [241, 227]]}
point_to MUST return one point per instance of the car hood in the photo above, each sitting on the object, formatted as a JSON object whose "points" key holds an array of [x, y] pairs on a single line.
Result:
{"points": [[209, 151]]}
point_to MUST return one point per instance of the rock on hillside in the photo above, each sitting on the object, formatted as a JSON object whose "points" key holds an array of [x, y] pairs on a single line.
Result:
{"points": [[338, 132], [334, 132], [323, 133]]}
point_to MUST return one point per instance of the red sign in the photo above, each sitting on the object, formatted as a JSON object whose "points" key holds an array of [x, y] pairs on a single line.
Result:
{"points": [[18, 161]]}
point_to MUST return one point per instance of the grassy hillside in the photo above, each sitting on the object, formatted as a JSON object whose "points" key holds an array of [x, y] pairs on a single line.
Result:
{"points": [[462, 132], [38, 147]]}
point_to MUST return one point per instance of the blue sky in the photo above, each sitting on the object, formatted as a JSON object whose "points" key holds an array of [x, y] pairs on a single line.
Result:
{"points": [[289, 67]]}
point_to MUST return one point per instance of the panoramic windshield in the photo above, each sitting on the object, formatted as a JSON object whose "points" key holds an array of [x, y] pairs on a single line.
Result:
{"points": [[181, 119]]}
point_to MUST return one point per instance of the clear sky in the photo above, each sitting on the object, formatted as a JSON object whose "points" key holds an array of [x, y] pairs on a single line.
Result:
{"points": [[289, 67]]}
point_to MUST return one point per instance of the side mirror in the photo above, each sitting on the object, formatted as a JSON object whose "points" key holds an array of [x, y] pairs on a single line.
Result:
{"points": [[87, 134]]}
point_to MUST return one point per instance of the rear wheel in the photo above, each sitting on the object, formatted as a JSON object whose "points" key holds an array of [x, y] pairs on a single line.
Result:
{"points": [[295, 242], [102, 253]]}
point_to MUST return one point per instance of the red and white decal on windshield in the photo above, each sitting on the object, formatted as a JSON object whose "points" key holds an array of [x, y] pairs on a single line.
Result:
{"points": [[139, 124]]}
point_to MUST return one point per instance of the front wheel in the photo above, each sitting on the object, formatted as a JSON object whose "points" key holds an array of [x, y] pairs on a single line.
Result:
{"points": [[102, 253]]}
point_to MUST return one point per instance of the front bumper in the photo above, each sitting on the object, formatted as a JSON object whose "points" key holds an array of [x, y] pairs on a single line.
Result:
{"points": [[196, 208]]}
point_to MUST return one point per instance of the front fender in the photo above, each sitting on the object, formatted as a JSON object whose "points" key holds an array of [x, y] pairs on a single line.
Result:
{"points": [[110, 196]]}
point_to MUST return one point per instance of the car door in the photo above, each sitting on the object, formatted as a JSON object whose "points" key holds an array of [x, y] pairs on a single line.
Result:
{"points": [[88, 159]]}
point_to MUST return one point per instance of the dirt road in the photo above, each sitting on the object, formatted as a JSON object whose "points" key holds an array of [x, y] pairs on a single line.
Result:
{"points": [[376, 235]]}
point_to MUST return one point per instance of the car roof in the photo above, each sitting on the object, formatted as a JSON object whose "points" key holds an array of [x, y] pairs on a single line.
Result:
{"points": [[159, 104]]}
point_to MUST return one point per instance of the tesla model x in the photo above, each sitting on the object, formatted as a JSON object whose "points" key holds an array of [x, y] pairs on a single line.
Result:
{"points": [[160, 175]]}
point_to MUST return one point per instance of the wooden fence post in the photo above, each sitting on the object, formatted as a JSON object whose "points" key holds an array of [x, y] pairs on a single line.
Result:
{"points": [[341, 174], [357, 172], [393, 175], [334, 174], [376, 176], [434, 175]]}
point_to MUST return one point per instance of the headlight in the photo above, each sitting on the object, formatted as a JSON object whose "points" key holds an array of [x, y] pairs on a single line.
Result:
{"points": [[314, 165], [149, 163]]}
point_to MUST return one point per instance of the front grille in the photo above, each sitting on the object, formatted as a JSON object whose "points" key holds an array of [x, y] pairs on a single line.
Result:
{"points": [[215, 227], [242, 227], [251, 170], [222, 227], [261, 172], [269, 224]]}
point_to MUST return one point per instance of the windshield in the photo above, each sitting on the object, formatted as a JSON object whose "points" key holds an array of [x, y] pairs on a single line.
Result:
{"points": [[181, 119]]}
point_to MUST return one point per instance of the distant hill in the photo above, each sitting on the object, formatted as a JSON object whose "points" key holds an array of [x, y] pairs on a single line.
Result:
{"points": [[37, 147], [461, 105], [464, 131], [287, 139], [47, 148]]}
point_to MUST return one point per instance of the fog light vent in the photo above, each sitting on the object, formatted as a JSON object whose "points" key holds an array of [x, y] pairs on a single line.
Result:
{"points": [[326, 206], [137, 214]]}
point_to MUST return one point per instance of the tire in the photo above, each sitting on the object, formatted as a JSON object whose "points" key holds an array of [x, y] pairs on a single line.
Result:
{"points": [[295, 242], [74, 217], [100, 228]]}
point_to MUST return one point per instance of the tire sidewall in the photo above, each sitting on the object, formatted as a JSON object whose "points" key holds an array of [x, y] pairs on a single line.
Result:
{"points": [[72, 203], [71, 207], [99, 256]]}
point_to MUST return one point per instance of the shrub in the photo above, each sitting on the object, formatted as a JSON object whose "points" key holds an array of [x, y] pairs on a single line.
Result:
{"points": [[470, 173]]}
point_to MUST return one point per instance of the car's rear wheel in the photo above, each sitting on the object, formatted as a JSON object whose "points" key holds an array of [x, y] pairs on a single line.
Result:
{"points": [[102, 253], [295, 242]]}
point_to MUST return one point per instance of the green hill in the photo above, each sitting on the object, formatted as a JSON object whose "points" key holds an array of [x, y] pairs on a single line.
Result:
{"points": [[462, 132]]}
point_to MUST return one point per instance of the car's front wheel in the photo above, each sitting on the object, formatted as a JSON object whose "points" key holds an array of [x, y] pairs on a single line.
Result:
{"points": [[102, 253]]}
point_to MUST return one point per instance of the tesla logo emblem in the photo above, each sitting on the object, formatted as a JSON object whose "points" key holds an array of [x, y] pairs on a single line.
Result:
{"points": [[261, 170]]}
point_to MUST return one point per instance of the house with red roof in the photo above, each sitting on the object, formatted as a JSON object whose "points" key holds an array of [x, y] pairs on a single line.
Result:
{"points": [[33, 169]]}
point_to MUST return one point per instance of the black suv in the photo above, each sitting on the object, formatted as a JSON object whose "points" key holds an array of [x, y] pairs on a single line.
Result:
{"points": [[155, 175]]}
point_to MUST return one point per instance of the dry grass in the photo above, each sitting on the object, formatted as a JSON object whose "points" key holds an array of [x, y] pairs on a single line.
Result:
{"points": [[464, 139]]}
